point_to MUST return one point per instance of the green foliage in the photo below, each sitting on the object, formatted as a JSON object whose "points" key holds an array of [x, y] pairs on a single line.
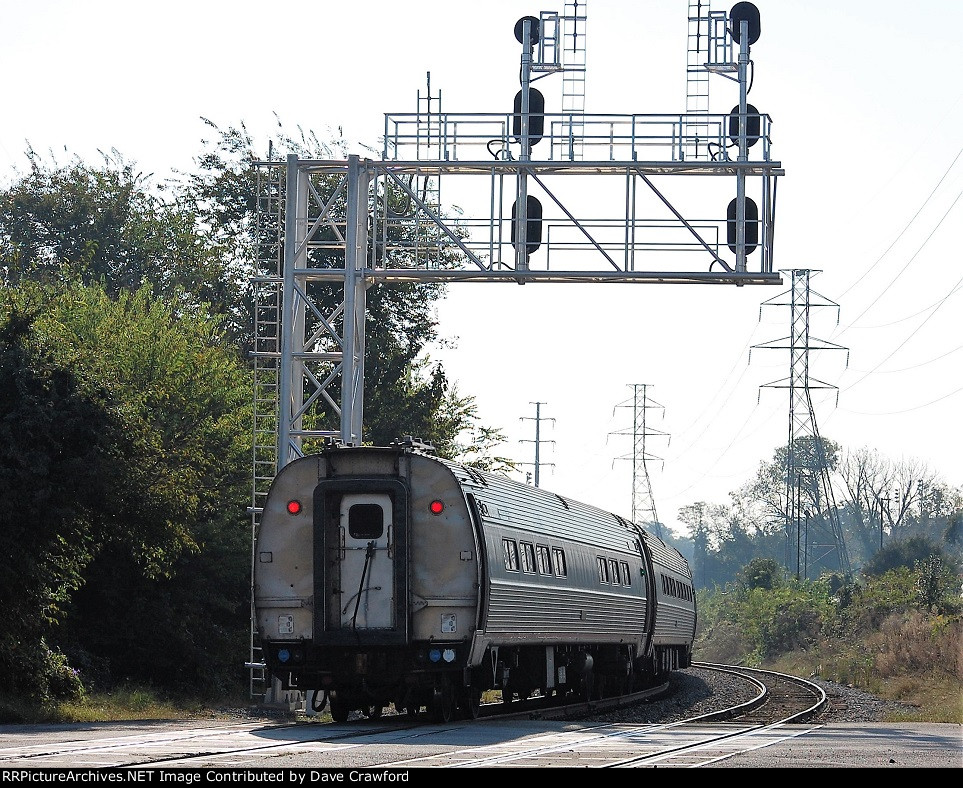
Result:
{"points": [[935, 584], [754, 622], [125, 427], [761, 621], [904, 553], [106, 224], [58, 460], [764, 573], [186, 400], [182, 399]]}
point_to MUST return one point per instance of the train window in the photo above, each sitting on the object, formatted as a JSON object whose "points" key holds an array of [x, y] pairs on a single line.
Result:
{"points": [[614, 572], [511, 554], [603, 570], [626, 577], [366, 521], [558, 558], [543, 559], [528, 557]]}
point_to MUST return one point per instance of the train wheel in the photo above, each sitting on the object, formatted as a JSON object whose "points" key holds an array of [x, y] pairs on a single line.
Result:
{"points": [[469, 704], [373, 712], [443, 701], [339, 709]]}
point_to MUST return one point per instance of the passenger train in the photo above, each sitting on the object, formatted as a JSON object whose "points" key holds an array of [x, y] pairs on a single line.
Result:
{"points": [[388, 575]]}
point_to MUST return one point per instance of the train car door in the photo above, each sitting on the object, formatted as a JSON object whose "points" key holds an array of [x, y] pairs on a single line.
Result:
{"points": [[367, 573]]}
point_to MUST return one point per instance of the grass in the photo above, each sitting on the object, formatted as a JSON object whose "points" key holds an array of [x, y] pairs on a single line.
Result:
{"points": [[936, 696], [123, 704], [911, 657]]}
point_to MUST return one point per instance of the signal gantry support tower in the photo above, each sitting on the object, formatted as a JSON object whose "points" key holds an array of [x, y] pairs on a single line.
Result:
{"points": [[566, 196], [809, 498], [538, 419], [643, 501]]}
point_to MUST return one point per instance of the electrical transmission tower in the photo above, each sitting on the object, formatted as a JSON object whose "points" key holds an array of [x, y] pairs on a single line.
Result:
{"points": [[538, 419], [811, 517], [643, 501]]}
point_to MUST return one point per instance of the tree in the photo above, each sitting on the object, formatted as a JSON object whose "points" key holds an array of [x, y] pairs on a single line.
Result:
{"points": [[174, 430], [907, 553], [892, 500], [58, 462], [762, 573], [199, 238], [110, 224]]}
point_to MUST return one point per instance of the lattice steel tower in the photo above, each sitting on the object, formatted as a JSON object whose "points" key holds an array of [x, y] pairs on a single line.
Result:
{"points": [[811, 517], [643, 501]]}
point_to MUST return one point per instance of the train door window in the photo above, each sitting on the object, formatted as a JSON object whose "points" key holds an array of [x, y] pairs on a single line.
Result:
{"points": [[366, 521], [614, 573], [511, 554], [543, 559], [626, 577], [528, 557], [558, 559], [603, 570]]}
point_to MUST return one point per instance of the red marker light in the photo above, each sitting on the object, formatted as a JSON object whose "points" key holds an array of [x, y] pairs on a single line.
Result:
{"points": [[436, 507], [294, 507]]}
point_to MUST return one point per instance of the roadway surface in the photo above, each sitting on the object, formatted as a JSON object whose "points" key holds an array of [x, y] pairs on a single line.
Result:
{"points": [[481, 744]]}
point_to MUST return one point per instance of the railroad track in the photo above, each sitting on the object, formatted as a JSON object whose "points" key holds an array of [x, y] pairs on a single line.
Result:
{"points": [[776, 698], [699, 739], [782, 699]]}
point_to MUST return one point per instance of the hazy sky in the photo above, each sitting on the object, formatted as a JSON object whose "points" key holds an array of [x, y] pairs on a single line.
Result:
{"points": [[867, 115]]}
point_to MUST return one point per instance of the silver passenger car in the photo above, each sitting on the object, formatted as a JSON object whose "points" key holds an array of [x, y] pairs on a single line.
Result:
{"points": [[391, 576]]}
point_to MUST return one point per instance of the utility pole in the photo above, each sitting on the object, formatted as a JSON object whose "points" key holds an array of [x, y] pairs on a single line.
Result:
{"points": [[881, 499], [538, 419]]}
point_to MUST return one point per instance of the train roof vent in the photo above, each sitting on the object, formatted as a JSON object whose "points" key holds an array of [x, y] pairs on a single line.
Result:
{"points": [[416, 444]]}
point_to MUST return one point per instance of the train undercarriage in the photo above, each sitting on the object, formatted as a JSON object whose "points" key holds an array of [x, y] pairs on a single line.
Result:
{"points": [[420, 682]]}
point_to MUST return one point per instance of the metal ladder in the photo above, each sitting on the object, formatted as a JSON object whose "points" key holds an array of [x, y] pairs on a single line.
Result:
{"points": [[708, 51], [430, 136], [574, 24], [696, 81], [561, 47], [265, 352]]}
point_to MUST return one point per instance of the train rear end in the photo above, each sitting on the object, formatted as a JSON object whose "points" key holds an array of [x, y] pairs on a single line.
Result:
{"points": [[367, 581]]}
